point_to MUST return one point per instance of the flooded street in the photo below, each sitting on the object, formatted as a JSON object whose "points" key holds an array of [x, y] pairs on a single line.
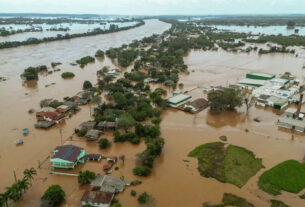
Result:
{"points": [[173, 182]]}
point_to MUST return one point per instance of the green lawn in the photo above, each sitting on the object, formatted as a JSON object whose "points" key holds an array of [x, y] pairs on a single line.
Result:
{"points": [[230, 164], [230, 199], [276, 203], [240, 165], [288, 176]]}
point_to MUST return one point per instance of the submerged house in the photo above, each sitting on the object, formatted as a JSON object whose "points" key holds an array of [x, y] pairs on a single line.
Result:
{"points": [[94, 197], [42, 124], [63, 109], [178, 99], [83, 97], [67, 156], [88, 125], [277, 103], [289, 120], [53, 117], [197, 105], [39, 114], [102, 190], [104, 125], [92, 134]]}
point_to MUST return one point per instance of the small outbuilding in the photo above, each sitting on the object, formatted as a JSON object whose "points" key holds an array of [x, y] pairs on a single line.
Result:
{"points": [[93, 134], [44, 124], [88, 125]]}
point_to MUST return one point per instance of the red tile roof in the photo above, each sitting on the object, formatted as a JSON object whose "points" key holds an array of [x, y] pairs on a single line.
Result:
{"points": [[97, 197], [143, 71], [53, 115]]}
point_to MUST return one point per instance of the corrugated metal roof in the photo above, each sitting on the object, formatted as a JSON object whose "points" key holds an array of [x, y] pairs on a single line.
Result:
{"points": [[178, 98], [252, 82], [293, 122]]}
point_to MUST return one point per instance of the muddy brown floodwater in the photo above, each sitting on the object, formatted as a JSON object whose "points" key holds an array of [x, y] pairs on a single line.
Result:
{"points": [[173, 182]]}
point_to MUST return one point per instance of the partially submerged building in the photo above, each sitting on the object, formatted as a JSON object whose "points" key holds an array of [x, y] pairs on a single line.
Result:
{"points": [[94, 197], [93, 134], [88, 125], [197, 105], [102, 190], [178, 99], [292, 119], [105, 125], [109, 183], [44, 124], [83, 97], [260, 76], [53, 117], [67, 156]]}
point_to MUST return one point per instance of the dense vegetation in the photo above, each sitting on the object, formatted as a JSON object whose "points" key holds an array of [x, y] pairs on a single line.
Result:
{"points": [[53, 196], [85, 177], [141, 171], [292, 40], [31, 73], [104, 143], [15, 192], [287, 176], [96, 31], [277, 203], [99, 53], [230, 164], [226, 99], [85, 60], [5, 32], [256, 20]]}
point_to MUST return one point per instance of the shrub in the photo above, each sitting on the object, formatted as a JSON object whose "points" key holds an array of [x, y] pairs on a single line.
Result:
{"points": [[53, 196], [87, 85], [129, 136], [99, 53], [133, 193], [85, 60], [156, 120], [67, 75], [81, 132], [104, 143], [141, 171], [143, 198], [84, 177]]}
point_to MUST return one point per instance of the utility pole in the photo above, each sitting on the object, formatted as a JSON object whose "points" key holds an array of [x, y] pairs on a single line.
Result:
{"points": [[15, 176], [60, 132]]}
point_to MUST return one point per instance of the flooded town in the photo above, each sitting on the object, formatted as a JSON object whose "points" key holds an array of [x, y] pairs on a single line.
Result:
{"points": [[151, 110]]}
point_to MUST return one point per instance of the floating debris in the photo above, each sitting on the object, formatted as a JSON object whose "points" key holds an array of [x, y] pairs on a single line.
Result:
{"points": [[25, 131], [223, 138], [19, 142]]}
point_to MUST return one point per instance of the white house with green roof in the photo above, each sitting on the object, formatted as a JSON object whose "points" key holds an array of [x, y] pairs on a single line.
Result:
{"points": [[67, 156]]}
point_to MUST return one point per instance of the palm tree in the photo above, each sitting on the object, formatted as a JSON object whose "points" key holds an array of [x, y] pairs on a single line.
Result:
{"points": [[14, 192], [24, 184], [4, 199], [28, 174]]}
